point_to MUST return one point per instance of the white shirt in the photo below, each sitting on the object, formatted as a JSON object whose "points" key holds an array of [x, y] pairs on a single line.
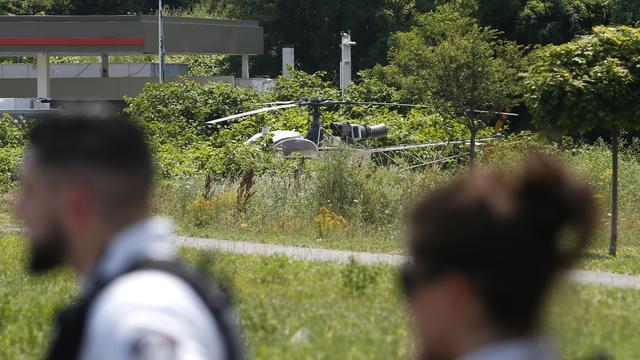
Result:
{"points": [[146, 314], [518, 349]]}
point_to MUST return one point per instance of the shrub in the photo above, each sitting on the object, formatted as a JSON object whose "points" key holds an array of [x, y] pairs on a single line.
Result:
{"points": [[328, 221], [356, 278], [12, 142]]}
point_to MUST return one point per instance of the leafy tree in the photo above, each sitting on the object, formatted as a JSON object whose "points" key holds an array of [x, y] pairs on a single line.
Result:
{"points": [[314, 27], [304, 86], [592, 82], [174, 115], [500, 14], [122, 7], [559, 21], [12, 142], [626, 11], [33, 7], [8, 7], [460, 67]]}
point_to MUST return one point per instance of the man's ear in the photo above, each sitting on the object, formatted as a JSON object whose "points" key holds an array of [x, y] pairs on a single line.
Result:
{"points": [[75, 206]]}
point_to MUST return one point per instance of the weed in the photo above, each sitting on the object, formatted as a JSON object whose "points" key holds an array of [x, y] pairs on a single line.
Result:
{"points": [[245, 191], [357, 278]]}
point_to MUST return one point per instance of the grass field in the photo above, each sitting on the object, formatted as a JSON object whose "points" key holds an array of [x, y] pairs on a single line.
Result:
{"points": [[367, 205], [297, 310]]}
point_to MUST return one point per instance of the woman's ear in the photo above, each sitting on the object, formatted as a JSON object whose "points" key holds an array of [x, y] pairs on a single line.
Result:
{"points": [[459, 291]]}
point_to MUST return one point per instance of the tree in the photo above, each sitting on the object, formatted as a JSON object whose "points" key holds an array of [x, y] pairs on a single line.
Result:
{"points": [[122, 7], [33, 7], [559, 21], [593, 81], [451, 62], [500, 15], [626, 11], [314, 27]]}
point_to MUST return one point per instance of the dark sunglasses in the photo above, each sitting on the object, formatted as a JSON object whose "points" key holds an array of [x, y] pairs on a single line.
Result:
{"points": [[411, 278]]}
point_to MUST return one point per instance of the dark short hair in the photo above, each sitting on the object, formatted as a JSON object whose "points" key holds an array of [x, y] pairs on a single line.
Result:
{"points": [[505, 232], [111, 145]]}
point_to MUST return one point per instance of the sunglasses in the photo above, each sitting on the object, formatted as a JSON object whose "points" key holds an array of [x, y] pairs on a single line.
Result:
{"points": [[412, 278]]}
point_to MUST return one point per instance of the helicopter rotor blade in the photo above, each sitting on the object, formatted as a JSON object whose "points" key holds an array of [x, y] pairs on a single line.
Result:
{"points": [[273, 103], [375, 103], [479, 141], [252, 112], [495, 112]]}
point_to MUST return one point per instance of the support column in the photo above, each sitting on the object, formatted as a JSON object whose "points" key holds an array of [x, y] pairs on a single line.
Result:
{"points": [[288, 60], [43, 84], [245, 66], [105, 65]]}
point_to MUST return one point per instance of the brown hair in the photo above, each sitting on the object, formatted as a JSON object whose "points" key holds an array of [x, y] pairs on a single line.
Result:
{"points": [[506, 233]]}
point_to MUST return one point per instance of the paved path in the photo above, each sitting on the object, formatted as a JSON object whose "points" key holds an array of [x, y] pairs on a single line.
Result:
{"points": [[315, 254], [299, 253]]}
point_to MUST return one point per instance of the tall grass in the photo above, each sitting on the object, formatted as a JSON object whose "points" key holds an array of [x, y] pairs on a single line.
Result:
{"points": [[338, 199], [341, 201], [593, 164]]}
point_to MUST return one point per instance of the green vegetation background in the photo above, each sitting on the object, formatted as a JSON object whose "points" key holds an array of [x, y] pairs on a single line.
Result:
{"points": [[314, 26]]}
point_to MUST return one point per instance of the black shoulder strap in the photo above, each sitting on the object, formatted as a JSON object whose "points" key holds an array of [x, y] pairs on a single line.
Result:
{"points": [[70, 323]]}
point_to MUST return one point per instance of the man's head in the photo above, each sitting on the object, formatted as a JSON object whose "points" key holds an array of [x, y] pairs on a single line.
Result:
{"points": [[84, 178]]}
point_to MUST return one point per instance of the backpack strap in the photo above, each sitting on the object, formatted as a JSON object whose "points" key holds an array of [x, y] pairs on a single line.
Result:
{"points": [[71, 322]]}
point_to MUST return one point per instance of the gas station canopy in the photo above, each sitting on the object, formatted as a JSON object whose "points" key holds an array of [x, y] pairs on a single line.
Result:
{"points": [[44, 36], [126, 35]]}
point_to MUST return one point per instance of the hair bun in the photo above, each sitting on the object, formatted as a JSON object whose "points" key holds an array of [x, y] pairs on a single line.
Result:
{"points": [[552, 200]]}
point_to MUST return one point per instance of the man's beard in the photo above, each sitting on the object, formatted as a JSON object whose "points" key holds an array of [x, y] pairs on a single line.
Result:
{"points": [[49, 251]]}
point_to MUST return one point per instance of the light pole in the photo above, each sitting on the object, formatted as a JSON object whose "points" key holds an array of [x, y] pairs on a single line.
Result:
{"points": [[345, 63], [160, 44]]}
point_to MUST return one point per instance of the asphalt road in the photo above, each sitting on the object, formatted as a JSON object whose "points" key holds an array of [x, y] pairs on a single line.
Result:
{"points": [[314, 254], [603, 278]]}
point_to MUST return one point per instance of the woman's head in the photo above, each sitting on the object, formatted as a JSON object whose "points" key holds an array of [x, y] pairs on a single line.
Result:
{"points": [[486, 248]]}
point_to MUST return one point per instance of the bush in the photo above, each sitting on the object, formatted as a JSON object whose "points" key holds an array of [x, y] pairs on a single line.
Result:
{"points": [[12, 142], [356, 278]]}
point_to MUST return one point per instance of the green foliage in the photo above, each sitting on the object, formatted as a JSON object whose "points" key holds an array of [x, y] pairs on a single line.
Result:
{"points": [[203, 65], [8, 7], [357, 278], [12, 132], [121, 7], [559, 21], [511, 151], [626, 12], [453, 62], [339, 183], [174, 115], [500, 14], [34, 7], [591, 82], [12, 142], [314, 28], [372, 85], [304, 86]]}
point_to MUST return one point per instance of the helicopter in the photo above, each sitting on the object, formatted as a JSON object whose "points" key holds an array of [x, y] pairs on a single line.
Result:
{"points": [[293, 144]]}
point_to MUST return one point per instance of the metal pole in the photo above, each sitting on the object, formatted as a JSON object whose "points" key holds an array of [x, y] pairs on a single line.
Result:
{"points": [[615, 140], [316, 125], [345, 63], [160, 44]]}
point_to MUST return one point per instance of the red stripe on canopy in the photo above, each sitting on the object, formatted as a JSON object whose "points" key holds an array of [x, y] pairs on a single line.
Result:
{"points": [[71, 41]]}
